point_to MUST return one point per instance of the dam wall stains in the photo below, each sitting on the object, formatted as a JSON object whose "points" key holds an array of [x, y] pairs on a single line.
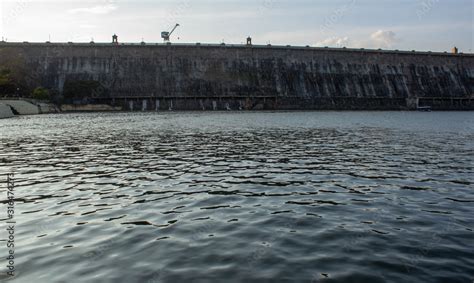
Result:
{"points": [[220, 77]]}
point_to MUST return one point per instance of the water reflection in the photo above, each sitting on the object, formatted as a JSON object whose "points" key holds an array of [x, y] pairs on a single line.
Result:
{"points": [[304, 197]]}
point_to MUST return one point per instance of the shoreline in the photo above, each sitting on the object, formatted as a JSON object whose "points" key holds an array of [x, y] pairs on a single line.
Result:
{"points": [[19, 107], [7, 111]]}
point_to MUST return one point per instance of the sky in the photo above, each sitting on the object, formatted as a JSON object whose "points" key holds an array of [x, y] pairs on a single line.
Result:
{"points": [[435, 25]]}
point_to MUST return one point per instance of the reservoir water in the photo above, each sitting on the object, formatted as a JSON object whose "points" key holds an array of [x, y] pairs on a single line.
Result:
{"points": [[240, 197]]}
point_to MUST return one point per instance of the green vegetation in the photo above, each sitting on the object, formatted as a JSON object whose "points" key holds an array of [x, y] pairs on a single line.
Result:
{"points": [[14, 75], [4, 76], [7, 85], [41, 93]]}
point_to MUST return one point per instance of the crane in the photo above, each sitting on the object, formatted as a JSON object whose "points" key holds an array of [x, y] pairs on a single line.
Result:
{"points": [[166, 34]]}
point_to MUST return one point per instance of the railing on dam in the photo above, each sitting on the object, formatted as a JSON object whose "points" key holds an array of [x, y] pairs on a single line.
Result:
{"points": [[224, 45]]}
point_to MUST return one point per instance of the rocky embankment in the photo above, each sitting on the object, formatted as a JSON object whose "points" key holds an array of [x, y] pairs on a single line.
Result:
{"points": [[5, 111], [12, 107]]}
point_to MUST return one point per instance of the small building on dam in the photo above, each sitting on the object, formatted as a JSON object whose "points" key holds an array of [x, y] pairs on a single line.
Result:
{"points": [[246, 77]]}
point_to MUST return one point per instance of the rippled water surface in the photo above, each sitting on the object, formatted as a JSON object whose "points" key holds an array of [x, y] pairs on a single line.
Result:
{"points": [[241, 197]]}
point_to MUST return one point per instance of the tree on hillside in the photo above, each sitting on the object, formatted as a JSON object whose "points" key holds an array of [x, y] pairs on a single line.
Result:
{"points": [[15, 76], [7, 86]]}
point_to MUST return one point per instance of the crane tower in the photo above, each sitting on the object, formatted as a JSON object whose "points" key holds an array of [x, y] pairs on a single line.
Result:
{"points": [[166, 34]]}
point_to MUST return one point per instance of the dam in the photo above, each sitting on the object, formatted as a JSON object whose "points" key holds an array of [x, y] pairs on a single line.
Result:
{"points": [[245, 77]]}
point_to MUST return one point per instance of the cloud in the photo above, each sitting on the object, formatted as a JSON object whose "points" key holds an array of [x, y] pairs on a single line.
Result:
{"points": [[378, 39], [106, 9], [335, 42], [87, 26], [383, 38]]}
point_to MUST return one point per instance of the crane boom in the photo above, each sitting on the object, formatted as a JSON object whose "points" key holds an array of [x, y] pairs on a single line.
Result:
{"points": [[175, 27]]}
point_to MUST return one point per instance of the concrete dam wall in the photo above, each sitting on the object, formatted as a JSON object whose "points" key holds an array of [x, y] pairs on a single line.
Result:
{"points": [[220, 77]]}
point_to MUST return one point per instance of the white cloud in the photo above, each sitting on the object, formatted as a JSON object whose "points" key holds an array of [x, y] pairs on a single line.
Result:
{"points": [[87, 26], [1, 21], [106, 9], [379, 39], [335, 42], [383, 38]]}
